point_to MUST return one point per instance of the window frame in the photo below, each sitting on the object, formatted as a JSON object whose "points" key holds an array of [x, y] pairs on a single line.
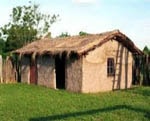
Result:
{"points": [[110, 66]]}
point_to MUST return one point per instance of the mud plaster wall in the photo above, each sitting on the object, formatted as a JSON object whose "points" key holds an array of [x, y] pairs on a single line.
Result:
{"points": [[25, 69], [46, 71], [74, 74], [95, 77]]}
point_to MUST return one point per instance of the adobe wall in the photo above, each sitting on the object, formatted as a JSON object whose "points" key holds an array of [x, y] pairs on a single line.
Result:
{"points": [[25, 69], [95, 77], [46, 71], [73, 74]]}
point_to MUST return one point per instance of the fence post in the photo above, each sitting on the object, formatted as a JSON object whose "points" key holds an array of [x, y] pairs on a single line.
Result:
{"points": [[1, 78]]}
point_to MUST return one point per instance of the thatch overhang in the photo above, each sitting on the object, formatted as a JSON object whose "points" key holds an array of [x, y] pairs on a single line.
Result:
{"points": [[77, 45]]}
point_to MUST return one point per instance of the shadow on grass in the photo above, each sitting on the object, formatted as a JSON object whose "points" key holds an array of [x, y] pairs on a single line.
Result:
{"points": [[91, 112], [142, 91]]}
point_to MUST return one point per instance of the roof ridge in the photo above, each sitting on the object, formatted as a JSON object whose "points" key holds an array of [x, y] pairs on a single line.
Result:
{"points": [[77, 42]]}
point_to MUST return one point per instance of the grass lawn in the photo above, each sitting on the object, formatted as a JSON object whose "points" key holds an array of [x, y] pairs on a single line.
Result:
{"points": [[21, 102]]}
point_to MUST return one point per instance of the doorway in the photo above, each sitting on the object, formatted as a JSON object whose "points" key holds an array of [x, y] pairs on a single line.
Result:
{"points": [[33, 72], [60, 72]]}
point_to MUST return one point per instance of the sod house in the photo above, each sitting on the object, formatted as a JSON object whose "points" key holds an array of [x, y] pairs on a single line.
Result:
{"points": [[89, 63]]}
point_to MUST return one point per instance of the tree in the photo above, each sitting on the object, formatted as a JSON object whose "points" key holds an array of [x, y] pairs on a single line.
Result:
{"points": [[2, 46], [27, 24], [81, 33], [64, 34], [146, 50], [145, 66]]}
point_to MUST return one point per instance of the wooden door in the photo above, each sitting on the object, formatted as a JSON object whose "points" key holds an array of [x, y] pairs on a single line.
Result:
{"points": [[33, 73]]}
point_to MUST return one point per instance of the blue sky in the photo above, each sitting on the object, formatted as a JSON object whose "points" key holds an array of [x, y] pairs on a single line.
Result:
{"points": [[132, 17]]}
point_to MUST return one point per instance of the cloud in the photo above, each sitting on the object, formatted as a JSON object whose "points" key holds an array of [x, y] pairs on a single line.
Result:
{"points": [[84, 1]]}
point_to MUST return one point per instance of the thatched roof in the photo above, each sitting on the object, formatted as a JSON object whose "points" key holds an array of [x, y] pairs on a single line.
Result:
{"points": [[79, 45]]}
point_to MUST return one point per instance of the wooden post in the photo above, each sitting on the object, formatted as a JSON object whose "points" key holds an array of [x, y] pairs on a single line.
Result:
{"points": [[1, 69]]}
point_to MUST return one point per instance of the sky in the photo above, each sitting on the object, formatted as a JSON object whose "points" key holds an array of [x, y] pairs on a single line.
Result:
{"points": [[131, 17]]}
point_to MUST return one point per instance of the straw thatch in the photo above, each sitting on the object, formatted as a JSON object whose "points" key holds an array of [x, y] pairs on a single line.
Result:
{"points": [[78, 45]]}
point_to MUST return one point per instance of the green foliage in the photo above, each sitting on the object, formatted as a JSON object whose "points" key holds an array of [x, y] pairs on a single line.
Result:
{"points": [[146, 50], [64, 34], [2, 46], [141, 74], [20, 102], [26, 25], [81, 33]]}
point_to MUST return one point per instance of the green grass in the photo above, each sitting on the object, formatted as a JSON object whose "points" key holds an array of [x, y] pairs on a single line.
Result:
{"points": [[21, 102]]}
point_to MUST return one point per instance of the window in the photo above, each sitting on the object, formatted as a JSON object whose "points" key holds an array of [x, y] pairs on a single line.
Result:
{"points": [[110, 67]]}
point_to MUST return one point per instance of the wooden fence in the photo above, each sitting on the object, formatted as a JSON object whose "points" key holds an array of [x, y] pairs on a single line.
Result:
{"points": [[141, 70], [0, 68], [146, 70], [8, 71]]}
